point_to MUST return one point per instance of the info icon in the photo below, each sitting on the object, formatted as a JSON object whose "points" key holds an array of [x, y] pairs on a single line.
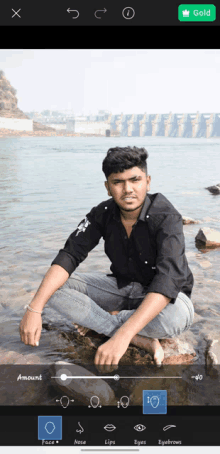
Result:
{"points": [[154, 402]]}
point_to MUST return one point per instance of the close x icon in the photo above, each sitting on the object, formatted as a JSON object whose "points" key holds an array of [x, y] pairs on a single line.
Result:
{"points": [[16, 13]]}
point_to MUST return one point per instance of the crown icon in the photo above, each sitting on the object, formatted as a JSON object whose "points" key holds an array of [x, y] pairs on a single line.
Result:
{"points": [[185, 13]]}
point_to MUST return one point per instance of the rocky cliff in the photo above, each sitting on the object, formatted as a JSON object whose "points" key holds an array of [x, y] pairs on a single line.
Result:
{"points": [[8, 104], [8, 100]]}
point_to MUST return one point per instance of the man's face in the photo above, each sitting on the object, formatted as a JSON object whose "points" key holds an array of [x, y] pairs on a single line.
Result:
{"points": [[128, 188]]}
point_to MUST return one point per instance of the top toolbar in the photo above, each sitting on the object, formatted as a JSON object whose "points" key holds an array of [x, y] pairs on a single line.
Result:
{"points": [[78, 13]]}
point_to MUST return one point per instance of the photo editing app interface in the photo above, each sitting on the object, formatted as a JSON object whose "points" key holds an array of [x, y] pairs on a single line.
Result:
{"points": [[110, 251]]}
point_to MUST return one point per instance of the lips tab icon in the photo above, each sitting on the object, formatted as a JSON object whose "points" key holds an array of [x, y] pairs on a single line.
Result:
{"points": [[109, 427]]}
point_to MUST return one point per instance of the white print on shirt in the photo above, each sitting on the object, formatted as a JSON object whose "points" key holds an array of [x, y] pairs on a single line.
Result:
{"points": [[83, 225]]}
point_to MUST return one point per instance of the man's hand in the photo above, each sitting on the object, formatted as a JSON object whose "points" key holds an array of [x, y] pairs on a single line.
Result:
{"points": [[30, 328], [31, 324], [109, 354]]}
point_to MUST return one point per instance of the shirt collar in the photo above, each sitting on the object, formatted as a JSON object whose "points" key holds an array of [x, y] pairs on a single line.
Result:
{"points": [[142, 215], [147, 203]]}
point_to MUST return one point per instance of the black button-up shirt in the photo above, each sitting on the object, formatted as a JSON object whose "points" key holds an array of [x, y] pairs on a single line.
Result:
{"points": [[153, 255]]}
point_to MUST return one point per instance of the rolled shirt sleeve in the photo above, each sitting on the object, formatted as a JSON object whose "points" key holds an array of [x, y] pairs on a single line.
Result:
{"points": [[171, 263], [79, 243]]}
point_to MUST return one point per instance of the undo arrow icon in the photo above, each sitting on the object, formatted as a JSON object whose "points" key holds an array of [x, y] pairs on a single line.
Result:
{"points": [[73, 11]]}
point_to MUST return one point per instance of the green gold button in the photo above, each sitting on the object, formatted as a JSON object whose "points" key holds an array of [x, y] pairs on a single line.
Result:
{"points": [[197, 13]]}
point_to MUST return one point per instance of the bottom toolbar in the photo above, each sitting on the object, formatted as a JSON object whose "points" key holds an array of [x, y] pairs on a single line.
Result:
{"points": [[145, 430]]}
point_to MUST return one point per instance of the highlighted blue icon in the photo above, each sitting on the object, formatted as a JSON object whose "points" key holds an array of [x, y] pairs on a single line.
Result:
{"points": [[49, 427], [154, 402]]}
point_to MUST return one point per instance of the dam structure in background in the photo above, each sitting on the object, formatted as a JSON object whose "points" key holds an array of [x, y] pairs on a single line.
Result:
{"points": [[189, 125], [165, 125], [192, 125]]}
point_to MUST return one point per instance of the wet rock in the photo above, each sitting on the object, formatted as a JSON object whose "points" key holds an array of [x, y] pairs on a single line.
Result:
{"points": [[214, 189], [213, 353], [80, 389], [13, 357], [24, 392], [209, 237], [178, 350], [177, 390], [187, 220], [189, 385]]}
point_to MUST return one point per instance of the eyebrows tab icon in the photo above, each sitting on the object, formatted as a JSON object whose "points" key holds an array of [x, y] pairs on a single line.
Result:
{"points": [[168, 427]]}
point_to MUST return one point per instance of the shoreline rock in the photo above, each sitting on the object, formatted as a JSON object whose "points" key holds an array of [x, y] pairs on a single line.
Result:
{"points": [[209, 237], [36, 133], [212, 354], [187, 220], [13, 357], [215, 189], [81, 389]]}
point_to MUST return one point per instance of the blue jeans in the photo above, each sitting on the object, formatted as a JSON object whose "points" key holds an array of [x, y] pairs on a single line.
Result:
{"points": [[85, 299]]}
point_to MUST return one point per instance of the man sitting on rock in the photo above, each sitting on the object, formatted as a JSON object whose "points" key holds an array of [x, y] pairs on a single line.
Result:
{"points": [[147, 296]]}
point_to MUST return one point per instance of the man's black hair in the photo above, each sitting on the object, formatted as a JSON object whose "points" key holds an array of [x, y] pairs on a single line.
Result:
{"points": [[119, 159]]}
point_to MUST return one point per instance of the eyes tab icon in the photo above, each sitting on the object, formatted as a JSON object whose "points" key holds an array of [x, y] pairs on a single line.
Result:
{"points": [[139, 427]]}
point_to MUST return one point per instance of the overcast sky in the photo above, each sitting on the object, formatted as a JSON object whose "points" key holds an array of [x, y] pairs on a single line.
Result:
{"points": [[128, 81]]}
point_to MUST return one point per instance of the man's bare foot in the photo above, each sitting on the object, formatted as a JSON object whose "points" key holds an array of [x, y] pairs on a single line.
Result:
{"points": [[153, 346], [81, 329]]}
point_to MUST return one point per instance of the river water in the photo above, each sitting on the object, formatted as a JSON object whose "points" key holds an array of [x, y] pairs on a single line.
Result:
{"points": [[49, 184]]}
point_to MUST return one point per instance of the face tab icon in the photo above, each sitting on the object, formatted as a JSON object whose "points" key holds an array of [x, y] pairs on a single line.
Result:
{"points": [[50, 427]]}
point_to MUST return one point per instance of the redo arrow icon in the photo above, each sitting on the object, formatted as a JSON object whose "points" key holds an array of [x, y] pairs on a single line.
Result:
{"points": [[97, 13], [75, 14]]}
